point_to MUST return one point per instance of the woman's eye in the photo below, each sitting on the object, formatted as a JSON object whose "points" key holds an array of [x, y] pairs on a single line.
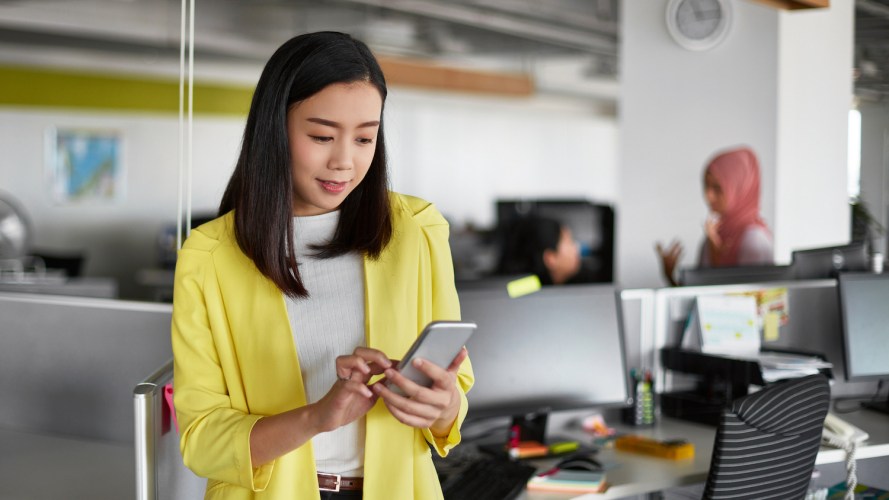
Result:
{"points": [[364, 140], [322, 139]]}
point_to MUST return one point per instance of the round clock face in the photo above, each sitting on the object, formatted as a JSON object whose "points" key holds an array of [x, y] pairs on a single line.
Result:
{"points": [[698, 24]]}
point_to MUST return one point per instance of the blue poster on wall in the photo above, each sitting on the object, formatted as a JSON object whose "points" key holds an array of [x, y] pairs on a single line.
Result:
{"points": [[85, 165]]}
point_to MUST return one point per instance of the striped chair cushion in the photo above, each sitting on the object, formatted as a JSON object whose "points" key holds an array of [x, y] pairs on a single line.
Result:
{"points": [[767, 441]]}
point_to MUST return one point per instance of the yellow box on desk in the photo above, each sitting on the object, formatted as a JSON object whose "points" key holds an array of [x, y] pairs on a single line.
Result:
{"points": [[674, 450]]}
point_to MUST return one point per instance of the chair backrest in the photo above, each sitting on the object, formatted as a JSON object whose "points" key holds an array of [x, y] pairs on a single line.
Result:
{"points": [[767, 442]]}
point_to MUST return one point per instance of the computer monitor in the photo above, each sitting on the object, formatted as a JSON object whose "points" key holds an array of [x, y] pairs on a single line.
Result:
{"points": [[865, 319], [556, 349], [591, 224], [828, 262], [703, 276]]}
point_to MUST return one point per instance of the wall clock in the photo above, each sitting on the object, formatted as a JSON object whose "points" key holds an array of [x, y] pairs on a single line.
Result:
{"points": [[699, 24]]}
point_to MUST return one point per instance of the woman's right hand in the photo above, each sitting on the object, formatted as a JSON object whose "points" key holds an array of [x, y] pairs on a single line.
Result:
{"points": [[350, 398], [669, 258]]}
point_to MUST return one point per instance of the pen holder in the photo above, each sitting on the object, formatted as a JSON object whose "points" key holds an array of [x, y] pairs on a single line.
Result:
{"points": [[642, 411]]}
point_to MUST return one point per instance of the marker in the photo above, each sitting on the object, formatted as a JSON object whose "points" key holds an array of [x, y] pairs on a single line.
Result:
{"points": [[565, 447]]}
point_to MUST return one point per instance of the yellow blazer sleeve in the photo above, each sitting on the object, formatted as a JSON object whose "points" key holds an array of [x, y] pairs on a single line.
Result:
{"points": [[215, 436], [445, 306]]}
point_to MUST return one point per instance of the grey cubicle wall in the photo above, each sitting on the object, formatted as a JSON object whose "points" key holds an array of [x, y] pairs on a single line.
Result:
{"points": [[637, 306], [160, 473], [68, 365], [814, 322]]}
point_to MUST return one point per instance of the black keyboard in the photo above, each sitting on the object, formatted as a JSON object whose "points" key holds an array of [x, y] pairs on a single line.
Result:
{"points": [[484, 477]]}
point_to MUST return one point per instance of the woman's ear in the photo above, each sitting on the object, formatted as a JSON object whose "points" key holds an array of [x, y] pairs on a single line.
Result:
{"points": [[549, 259]]}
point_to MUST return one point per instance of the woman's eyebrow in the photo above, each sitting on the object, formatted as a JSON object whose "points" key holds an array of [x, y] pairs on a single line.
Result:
{"points": [[329, 123]]}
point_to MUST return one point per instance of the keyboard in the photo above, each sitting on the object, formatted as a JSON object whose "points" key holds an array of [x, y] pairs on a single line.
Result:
{"points": [[484, 477]]}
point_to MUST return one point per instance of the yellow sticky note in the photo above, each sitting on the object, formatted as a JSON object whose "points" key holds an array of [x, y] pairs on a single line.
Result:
{"points": [[770, 329], [523, 286]]}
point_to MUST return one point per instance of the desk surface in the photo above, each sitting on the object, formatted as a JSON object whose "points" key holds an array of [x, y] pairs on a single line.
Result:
{"points": [[638, 474]]}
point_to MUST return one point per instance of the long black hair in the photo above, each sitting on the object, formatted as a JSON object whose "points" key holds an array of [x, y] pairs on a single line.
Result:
{"points": [[524, 244], [260, 190]]}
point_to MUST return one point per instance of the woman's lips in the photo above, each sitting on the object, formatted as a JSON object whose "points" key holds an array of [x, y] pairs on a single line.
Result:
{"points": [[333, 187]]}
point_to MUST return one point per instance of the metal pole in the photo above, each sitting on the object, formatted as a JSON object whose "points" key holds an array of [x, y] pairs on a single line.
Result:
{"points": [[144, 408]]}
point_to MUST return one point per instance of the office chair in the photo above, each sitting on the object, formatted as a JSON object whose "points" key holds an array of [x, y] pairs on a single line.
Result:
{"points": [[767, 441]]}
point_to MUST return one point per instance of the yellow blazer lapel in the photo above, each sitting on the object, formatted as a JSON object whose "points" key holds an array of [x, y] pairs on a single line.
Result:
{"points": [[261, 334]]}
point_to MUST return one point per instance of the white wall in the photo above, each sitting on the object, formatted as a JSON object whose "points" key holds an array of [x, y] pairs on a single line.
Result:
{"points": [[677, 108], [459, 151], [875, 162], [814, 99], [464, 152], [118, 238]]}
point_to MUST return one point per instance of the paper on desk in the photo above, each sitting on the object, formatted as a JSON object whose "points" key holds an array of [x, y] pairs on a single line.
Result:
{"points": [[727, 324], [779, 366]]}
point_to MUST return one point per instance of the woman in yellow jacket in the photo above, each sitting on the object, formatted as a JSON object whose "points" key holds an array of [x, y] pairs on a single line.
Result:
{"points": [[288, 308]]}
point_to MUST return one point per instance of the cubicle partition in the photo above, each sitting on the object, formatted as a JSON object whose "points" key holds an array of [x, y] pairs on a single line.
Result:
{"points": [[68, 366], [160, 473], [813, 325]]}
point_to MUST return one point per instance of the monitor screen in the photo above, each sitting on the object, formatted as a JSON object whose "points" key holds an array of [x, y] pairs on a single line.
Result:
{"points": [[592, 226], [863, 305], [828, 262], [555, 349]]}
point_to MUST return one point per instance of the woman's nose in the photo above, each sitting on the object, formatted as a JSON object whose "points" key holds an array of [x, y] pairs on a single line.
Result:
{"points": [[341, 158]]}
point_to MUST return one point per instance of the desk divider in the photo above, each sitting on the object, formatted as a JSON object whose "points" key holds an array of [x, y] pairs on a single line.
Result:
{"points": [[160, 473]]}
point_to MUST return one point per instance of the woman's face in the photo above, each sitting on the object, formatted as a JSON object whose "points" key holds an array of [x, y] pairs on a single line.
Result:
{"points": [[566, 258], [332, 137], [714, 194]]}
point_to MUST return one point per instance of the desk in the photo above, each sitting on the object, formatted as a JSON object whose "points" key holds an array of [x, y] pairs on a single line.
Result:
{"points": [[639, 474]]}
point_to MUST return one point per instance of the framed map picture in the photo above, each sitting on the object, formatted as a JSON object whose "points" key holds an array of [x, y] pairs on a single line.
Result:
{"points": [[84, 165]]}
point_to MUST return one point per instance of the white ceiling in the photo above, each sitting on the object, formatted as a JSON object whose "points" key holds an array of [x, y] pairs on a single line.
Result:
{"points": [[569, 46]]}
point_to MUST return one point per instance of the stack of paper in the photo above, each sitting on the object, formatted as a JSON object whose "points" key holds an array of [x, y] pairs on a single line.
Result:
{"points": [[779, 366], [569, 481]]}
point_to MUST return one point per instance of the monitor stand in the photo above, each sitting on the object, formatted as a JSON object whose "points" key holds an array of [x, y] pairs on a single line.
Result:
{"points": [[526, 427]]}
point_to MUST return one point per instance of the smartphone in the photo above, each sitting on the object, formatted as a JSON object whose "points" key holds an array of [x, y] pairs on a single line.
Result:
{"points": [[439, 343]]}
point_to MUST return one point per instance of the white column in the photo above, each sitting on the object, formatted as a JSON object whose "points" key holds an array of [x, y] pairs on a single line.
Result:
{"points": [[814, 99]]}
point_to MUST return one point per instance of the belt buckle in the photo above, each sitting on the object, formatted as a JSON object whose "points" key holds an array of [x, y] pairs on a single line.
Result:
{"points": [[336, 477]]}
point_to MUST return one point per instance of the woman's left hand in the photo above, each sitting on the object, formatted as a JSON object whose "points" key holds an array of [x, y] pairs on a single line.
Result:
{"points": [[435, 407]]}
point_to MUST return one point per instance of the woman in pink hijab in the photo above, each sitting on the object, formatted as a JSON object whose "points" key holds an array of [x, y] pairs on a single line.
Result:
{"points": [[736, 234]]}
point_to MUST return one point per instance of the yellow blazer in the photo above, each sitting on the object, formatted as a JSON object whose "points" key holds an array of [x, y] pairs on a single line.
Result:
{"points": [[235, 360]]}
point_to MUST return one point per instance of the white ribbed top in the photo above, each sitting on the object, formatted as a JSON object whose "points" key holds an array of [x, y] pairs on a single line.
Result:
{"points": [[327, 324]]}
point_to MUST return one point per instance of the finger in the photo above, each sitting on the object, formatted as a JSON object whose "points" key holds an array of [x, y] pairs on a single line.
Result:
{"points": [[407, 386], [347, 365], [373, 356], [461, 356], [358, 388], [409, 419], [410, 406], [440, 377]]}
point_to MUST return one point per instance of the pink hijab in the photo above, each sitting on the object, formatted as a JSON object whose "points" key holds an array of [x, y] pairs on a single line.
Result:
{"points": [[737, 172]]}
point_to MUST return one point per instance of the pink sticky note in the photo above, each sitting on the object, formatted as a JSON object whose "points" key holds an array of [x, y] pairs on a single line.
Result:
{"points": [[168, 396]]}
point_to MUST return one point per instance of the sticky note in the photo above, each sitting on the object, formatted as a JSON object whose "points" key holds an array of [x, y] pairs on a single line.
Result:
{"points": [[770, 327], [523, 286]]}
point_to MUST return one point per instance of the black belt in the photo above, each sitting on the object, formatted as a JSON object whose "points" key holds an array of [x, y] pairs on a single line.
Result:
{"points": [[336, 482]]}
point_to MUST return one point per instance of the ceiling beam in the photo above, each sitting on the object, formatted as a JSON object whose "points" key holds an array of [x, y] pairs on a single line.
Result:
{"points": [[522, 28]]}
